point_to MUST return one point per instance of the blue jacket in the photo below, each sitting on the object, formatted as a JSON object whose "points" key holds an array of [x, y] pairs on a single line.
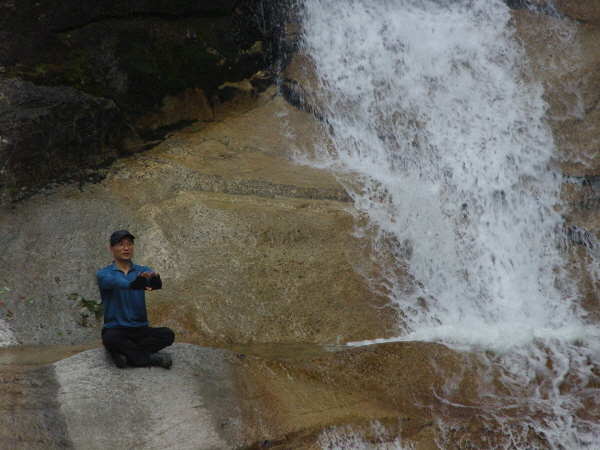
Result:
{"points": [[123, 307]]}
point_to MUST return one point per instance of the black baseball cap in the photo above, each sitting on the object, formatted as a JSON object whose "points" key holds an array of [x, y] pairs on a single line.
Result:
{"points": [[120, 234]]}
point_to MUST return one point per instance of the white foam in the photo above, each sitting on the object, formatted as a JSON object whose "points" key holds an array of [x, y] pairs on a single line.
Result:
{"points": [[346, 438], [445, 148], [428, 106]]}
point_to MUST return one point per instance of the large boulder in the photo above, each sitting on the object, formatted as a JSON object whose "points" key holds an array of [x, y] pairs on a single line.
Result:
{"points": [[191, 406], [252, 247], [214, 398], [84, 402]]}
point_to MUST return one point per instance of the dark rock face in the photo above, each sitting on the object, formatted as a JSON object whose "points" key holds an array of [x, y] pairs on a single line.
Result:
{"points": [[139, 61], [47, 131], [60, 15], [133, 53]]}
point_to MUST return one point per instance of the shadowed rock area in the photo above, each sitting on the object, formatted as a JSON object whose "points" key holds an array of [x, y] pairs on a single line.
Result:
{"points": [[127, 67]]}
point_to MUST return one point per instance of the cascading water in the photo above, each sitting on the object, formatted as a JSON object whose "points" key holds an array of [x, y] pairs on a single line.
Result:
{"points": [[443, 145]]}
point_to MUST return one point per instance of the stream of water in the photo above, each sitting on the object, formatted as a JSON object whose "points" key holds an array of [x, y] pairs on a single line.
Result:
{"points": [[446, 151]]}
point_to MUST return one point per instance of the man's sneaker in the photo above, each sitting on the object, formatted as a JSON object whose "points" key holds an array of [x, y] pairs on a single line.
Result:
{"points": [[161, 359], [119, 359]]}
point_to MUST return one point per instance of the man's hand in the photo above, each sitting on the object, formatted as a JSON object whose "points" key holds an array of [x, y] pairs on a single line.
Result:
{"points": [[155, 281], [139, 284], [140, 281]]}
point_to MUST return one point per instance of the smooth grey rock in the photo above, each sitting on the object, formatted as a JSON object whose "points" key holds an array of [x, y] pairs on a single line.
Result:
{"points": [[190, 406]]}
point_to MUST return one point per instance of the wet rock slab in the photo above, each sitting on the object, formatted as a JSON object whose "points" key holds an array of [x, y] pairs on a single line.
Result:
{"points": [[30, 417], [190, 406]]}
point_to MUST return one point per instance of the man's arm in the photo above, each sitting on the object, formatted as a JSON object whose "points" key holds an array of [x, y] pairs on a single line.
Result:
{"points": [[106, 280]]}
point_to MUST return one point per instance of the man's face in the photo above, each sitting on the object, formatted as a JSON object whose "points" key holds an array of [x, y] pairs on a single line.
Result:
{"points": [[123, 250]]}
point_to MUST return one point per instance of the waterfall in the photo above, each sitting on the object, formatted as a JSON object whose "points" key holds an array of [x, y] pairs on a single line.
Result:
{"points": [[441, 139]]}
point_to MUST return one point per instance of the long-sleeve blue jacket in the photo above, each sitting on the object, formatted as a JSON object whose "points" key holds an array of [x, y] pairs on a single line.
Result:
{"points": [[123, 307]]}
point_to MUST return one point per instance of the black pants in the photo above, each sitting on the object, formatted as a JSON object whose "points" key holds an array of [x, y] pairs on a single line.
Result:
{"points": [[136, 343]]}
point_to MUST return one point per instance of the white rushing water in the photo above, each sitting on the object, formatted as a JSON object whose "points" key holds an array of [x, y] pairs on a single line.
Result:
{"points": [[444, 148]]}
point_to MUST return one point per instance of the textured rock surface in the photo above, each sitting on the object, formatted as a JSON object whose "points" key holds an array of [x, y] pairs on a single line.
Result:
{"points": [[155, 63], [251, 246], [30, 415], [258, 253], [190, 406], [216, 399], [136, 52], [48, 131], [582, 10], [567, 62]]}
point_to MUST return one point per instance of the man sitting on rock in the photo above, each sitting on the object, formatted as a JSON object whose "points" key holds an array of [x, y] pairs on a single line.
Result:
{"points": [[126, 332]]}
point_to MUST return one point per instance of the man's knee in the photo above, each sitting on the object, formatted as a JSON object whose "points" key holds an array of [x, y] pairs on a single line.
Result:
{"points": [[163, 335], [167, 335], [111, 337]]}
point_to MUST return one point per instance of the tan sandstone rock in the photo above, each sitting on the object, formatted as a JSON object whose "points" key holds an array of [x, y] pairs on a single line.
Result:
{"points": [[252, 246], [565, 59], [583, 10]]}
